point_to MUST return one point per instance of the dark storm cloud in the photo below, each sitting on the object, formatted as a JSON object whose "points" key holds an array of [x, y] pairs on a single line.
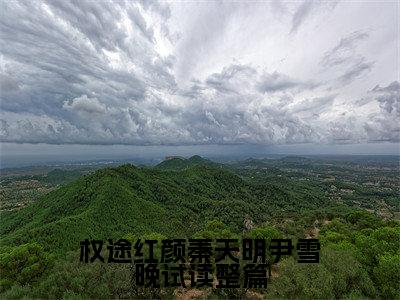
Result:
{"points": [[110, 72], [3, 128], [60, 56], [225, 112]]}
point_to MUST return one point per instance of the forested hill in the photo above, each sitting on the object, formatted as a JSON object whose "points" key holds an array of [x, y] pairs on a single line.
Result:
{"points": [[115, 201]]}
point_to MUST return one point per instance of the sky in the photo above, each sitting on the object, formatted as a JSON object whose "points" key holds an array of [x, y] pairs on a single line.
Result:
{"points": [[199, 73]]}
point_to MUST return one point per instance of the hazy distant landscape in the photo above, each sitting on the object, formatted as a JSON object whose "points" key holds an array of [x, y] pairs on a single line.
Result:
{"points": [[363, 181]]}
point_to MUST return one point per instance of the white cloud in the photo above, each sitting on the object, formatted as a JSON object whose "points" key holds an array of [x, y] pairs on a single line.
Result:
{"points": [[85, 105]]}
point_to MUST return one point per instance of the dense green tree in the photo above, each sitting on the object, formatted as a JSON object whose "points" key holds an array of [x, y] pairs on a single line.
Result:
{"points": [[23, 264], [311, 281], [215, 230], [387, 275]]}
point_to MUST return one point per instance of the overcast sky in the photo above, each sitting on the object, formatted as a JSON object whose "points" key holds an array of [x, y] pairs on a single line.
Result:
{"points": [[199, 73]]}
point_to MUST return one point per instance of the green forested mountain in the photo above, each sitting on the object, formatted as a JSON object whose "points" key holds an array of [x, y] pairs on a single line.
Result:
{"points": [[114, 201]]}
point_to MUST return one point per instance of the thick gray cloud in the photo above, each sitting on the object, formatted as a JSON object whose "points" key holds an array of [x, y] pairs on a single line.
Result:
{"points": [[276, 82], [385, 125], [152, 73], [389, 97], [85, 105]]}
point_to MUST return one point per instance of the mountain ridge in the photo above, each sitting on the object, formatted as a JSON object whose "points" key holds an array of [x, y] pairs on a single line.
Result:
{"points": [[180, 163], [112, 202]]}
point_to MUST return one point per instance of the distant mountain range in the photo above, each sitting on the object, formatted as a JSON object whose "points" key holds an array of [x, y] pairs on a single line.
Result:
{"points": [[180, 163]]}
